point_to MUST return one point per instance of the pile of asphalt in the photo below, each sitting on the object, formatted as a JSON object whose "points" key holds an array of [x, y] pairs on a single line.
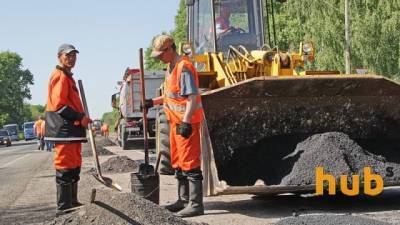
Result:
{"points": [[100, 144], [119, 164], [329, 220], [105, 142], [338, 155], [113, 207]]}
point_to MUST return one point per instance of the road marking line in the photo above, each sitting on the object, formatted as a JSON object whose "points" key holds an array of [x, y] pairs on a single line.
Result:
{"points": [[15, 148], [6, 151], [9, 163]]}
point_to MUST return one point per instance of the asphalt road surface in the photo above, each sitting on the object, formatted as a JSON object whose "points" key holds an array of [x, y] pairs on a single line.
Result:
{"points": [[20, 165]]}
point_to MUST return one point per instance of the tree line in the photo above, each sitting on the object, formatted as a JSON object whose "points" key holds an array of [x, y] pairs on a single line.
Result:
{"points": [[374, 35], [14, 90]]}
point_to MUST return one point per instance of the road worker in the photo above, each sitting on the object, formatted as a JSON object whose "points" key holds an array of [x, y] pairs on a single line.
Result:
{"points": [[222, 22], [105, 130], [37, 129], [48, 144], [182, 105], [65, 126]]}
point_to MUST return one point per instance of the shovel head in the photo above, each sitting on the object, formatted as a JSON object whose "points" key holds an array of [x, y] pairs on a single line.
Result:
{"points": [[146, 169], [107, 182]]}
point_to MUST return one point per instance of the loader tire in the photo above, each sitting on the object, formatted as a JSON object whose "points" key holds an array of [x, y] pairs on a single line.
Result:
{"points": [[163, 144]]}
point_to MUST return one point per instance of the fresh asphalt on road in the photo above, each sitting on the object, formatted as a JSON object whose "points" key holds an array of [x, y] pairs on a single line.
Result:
{"points": [[19, 164]]}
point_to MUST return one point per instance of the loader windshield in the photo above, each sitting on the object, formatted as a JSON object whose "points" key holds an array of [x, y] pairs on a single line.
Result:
{"points": [[237, 22], [202, 22]]}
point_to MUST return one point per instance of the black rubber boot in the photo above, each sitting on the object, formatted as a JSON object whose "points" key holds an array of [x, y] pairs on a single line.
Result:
{"points": [[64, 198], [195, 206], [183, 196], [75, 202]]}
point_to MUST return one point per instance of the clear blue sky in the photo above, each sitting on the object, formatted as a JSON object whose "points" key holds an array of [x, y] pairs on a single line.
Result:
{"points": [[108, 35]]}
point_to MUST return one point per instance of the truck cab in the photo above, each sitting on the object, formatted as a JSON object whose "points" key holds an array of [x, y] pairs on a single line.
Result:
{"points": [[127, 101], [96, 126], [29, 134], [236, 23], [13, 130]]}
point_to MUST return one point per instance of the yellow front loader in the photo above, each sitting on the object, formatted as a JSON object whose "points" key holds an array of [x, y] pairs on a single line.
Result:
{"points": [[259, 101]]}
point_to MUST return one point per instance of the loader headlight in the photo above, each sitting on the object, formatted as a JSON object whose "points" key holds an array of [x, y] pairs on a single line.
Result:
{"points": [[187, 49]]}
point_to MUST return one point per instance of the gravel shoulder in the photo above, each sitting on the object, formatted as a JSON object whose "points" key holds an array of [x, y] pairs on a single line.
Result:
{"points": [[250, 209]]}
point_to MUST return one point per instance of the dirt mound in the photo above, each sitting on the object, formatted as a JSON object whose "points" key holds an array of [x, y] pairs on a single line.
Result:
{"points": [[100, 144], [329, 220], [120, 208], [339, 155], [119, 164]]}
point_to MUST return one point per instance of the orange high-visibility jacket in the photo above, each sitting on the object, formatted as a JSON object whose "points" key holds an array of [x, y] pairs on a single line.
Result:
{"points": [[42, 127], [64, 109], [174, 103], [104, 128], [37, 127]]}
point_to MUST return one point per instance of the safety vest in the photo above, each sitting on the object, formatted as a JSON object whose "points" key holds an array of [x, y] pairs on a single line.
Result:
{"points": [[174, 103]]}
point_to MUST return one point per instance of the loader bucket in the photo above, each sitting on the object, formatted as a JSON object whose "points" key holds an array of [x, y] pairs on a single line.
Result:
{"points": [[253, 124]]}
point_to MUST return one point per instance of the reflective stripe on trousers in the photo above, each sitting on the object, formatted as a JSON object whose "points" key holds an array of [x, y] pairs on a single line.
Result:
{"points": [[180, 108], [173, 95]]}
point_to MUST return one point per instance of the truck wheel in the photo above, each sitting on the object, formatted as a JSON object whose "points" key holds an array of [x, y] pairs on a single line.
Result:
{"points": [[124, 141], [162, 143]]}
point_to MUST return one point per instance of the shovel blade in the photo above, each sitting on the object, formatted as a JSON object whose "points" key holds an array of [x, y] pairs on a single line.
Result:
{"points": [[108, 182]]}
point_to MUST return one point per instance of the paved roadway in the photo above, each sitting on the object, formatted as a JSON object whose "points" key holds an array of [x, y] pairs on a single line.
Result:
{"points": [[20, 164]]}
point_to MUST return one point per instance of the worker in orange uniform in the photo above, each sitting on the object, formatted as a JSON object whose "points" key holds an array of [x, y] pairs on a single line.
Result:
{"points": [[48, 144], [65, 126], [222, 22], [182, 105], [37, 127], [105, 130]]}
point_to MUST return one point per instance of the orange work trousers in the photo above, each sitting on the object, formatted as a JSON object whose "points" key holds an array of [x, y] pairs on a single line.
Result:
{"points": [[68, 156], [185, 153]]}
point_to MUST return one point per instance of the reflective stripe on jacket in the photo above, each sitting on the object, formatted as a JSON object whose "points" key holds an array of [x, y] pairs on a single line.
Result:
{"points": [[174, 103], [64, 109]]}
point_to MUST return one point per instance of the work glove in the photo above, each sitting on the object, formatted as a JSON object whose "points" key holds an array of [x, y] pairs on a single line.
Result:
{"points": [[184, 129], [85, 121], [148, 103]]}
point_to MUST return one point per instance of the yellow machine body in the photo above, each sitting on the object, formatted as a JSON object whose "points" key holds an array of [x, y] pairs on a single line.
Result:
{"points": [[259, 102]]}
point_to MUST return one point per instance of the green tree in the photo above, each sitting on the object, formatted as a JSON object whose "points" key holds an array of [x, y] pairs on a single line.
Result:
{"points": [[36, 111], [375, 33], [151, 63], [110, 118], [179, 32], [15, 81]]}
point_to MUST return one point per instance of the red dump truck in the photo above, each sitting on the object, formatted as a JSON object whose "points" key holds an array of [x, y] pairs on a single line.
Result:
{"points": [[127, 100]]}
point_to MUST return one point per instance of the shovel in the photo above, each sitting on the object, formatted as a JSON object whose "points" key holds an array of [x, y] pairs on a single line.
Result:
{"points": [[146, 182], [145, 168], [104, 180]]}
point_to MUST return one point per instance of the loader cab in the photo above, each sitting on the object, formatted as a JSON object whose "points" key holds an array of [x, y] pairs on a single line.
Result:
{"points": [[214, 25]]}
